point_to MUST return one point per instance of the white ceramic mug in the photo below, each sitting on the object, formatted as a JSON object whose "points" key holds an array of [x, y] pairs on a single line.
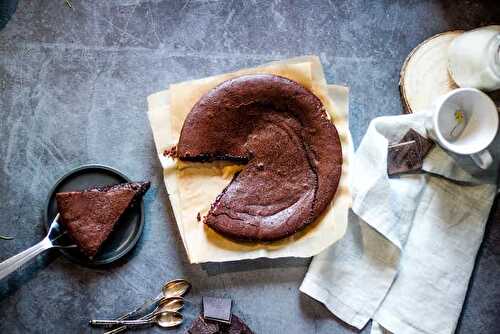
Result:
{"points": [[470, 131]]}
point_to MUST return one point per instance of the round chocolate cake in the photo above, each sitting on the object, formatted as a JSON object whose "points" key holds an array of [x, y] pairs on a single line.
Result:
{"points": [[292, 152]]}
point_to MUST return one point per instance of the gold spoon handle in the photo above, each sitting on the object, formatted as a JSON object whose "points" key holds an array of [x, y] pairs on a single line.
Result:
{"points": [[124, 327], [144, 306], [117, 330], [108, 323], [141, 308]]}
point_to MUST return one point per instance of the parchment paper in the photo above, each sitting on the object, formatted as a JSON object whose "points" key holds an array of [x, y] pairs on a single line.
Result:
{"points": [[192, 187]]}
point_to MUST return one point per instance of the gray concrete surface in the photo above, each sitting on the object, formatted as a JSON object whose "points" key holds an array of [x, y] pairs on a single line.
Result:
{"points": [[73, 87]]}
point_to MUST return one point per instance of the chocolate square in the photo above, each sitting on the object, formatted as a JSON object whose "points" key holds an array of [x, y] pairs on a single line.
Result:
{"points": [[408, 154], [217, 309]]}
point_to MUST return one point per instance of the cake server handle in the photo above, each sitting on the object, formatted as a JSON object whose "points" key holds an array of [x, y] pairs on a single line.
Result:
{"points": [[16, 261], [13, 263]]}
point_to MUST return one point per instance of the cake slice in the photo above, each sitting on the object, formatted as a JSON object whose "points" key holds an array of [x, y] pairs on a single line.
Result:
{"points": [[90, 215]]}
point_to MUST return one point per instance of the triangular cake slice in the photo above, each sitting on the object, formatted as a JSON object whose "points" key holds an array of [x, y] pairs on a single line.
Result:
{"points": [[90, 215]]}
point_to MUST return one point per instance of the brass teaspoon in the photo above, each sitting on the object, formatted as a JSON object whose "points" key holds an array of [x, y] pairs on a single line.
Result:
{"points": [[171, 304], [174, 288]]}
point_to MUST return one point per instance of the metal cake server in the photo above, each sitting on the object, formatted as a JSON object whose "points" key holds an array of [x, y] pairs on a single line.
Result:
{"points": [[13, 263]]}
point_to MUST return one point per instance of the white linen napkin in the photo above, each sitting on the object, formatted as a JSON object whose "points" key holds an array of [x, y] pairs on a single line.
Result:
{"points": [[410, 246]]}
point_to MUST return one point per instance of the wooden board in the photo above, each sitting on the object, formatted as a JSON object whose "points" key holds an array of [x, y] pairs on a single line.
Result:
{"points": [[424, 75]]}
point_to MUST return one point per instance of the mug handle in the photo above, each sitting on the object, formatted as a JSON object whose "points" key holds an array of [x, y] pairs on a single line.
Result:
{"points": [[483, 159]]}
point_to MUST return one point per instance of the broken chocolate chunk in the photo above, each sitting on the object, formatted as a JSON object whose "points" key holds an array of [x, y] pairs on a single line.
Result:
{"points": [[408, 154], [217, 309], [203, 326], [200, 326]]}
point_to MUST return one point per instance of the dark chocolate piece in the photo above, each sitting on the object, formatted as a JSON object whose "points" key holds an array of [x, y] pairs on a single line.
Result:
{"points": [[291, 149], [408, 154], [90, 215], [202, 326], [217, 309]]}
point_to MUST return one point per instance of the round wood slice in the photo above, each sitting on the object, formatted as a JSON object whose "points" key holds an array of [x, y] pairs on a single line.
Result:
{"points": [[424, 75]]}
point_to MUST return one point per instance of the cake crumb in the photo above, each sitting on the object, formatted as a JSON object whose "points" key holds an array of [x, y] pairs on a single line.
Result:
{"points": [[198, 217], [170, 152]]}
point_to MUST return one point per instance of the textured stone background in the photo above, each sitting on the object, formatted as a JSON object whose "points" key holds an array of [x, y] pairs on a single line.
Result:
{"points": [[73, 87]]}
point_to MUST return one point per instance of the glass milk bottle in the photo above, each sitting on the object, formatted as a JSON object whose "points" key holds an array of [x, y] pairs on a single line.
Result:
{"points": [[474, 58]]}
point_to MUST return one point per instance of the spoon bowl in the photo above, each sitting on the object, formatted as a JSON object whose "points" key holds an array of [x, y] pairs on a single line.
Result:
{"points": [[169, 319], [176, 288], [171, 304]]}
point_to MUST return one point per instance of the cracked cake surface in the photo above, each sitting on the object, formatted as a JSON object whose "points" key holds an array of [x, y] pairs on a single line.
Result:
{"points": [[290, 148]]}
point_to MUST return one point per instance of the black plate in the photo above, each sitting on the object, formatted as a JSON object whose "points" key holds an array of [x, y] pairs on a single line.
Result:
{"points": [[7, 9], [127, 231]]}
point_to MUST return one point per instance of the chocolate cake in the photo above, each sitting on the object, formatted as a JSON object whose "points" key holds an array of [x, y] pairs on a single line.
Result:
{"points": [[292, 152], [90, 215]]}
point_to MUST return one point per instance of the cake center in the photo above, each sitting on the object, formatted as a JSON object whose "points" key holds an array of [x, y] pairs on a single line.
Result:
{"points": [[278, 182]]}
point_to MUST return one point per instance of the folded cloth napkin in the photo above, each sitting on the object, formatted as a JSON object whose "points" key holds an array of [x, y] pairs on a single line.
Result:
{"points": [[409, 250]]}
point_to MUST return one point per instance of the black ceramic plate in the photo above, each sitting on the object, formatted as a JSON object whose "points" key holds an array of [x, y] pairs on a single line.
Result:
{"points": [[126, 232], [7, 9]]}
